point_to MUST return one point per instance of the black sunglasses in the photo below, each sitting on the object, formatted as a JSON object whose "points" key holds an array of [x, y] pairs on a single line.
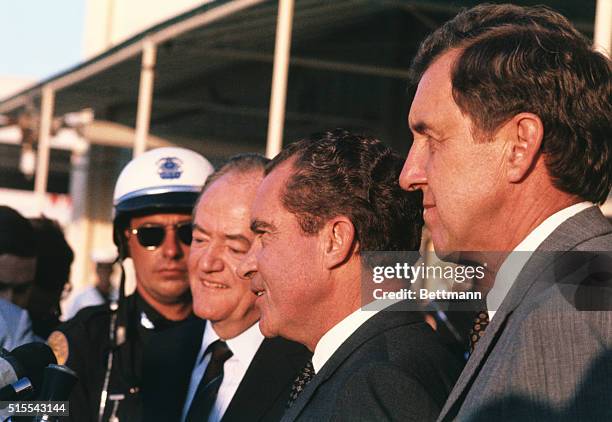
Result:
{"points": [[151, 236]]}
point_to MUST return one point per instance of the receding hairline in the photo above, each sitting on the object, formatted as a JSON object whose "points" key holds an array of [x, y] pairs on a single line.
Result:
{"points": [[244, 174]]}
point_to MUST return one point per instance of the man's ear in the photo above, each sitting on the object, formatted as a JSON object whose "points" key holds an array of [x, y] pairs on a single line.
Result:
{"points": [[526, 134], [124, 239], [338, 237]]}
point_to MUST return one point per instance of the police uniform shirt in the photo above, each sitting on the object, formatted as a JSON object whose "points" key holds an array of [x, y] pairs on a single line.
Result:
{"points": [[87, 338]]}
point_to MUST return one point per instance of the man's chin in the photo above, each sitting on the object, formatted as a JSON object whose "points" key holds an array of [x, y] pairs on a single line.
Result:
{"points": [[175, 297], [448, 256], [266, 330]]}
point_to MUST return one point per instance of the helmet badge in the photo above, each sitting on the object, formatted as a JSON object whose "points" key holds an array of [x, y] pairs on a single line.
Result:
{"points": [[169, 168]]}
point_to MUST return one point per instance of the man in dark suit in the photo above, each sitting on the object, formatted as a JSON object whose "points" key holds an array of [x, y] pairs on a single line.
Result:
{"points": [[221, 368], [511, 122], [325, 201]]}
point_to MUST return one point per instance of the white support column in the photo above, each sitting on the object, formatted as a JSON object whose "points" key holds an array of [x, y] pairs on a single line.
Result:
{"points": [[44, 138], [278, 96], [145, 97], [602, 32]]}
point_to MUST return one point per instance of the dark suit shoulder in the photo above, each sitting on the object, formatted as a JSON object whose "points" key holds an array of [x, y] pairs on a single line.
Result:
{"points": [[264, 391], [392, 356], [414, 350], [89, 318], [288, 348], [384, 391]]}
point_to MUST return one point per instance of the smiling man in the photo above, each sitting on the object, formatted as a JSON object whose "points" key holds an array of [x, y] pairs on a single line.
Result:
{"points": [[153, 200], [512, 122], [325, 200], [221, 368]]}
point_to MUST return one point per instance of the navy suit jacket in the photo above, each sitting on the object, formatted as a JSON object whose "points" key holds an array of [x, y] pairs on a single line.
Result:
{"points": [[392, 368]]}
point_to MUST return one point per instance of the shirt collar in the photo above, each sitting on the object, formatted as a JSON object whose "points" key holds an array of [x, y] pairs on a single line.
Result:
{"points": [[150, 318], [333, 339], [243, 346], [514, 262]]}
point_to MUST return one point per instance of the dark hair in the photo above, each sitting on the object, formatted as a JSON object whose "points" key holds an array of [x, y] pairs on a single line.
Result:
{"points": [[531, 59], [55, 256], [340, 173], [16, 233], [240, 163]]}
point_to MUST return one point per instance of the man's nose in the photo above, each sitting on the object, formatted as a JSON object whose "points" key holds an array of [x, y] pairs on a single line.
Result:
{"points": [[171, 247], [413, 176], [248, 267], [209, 261]]}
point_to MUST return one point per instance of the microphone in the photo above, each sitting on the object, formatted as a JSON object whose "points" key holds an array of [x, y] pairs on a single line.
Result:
{"points": [[26, 361], [21, 387], [57, 385]]}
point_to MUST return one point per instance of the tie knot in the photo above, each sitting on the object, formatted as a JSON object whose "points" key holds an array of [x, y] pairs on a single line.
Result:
{"points": [[219, 350]]}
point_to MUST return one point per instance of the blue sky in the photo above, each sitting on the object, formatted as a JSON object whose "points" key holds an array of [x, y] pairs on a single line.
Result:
{"points": [[40, 37]]}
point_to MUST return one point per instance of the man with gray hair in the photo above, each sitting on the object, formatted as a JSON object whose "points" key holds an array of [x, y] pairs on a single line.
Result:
{"points": [[221, 368]]}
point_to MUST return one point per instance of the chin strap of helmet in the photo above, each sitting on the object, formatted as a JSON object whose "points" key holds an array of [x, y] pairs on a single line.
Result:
{"points": [[117, 333]]}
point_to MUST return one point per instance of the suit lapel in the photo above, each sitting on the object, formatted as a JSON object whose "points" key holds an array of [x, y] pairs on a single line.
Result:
{"points": [[267, 379], [379, 323], [584, 225]]}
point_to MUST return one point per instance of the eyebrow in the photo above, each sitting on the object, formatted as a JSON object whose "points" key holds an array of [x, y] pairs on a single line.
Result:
{"points": [[238, 237], [421, 127], [259, 226]]}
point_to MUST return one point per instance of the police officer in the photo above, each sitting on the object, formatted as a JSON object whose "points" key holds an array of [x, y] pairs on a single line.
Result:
{"points": [[153, 200]]}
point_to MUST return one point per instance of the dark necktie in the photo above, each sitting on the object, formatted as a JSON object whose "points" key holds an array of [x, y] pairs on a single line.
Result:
{"points": [[478, 328], [300, 382], [206, 394]]}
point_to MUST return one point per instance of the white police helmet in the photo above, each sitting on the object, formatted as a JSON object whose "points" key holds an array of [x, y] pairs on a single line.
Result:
{"points": [[160, 180]]}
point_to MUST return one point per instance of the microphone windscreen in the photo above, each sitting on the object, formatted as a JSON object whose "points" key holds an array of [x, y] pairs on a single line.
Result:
{"points": [[58, 383], [33, 358]]}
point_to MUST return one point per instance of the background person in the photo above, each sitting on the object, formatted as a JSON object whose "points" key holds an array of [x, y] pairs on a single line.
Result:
{"points": [[51, 280], [17, 256], [15, 326], [17, 269], [103, 291], [511, 123]]}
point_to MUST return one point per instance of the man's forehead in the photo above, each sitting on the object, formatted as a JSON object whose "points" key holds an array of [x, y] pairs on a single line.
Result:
{"points": [[273, 184], [230, 191], [434, 87]]}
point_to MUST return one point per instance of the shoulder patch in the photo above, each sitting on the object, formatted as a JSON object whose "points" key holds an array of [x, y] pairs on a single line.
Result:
{"points": [[59, 344]]}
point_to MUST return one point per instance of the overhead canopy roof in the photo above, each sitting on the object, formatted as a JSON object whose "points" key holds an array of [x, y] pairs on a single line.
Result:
{"points": [[349, 62]]}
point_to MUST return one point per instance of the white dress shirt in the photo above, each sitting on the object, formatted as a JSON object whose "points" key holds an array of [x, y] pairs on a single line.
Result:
{"points": [[514, 262], [243, 346], [333, 339]]}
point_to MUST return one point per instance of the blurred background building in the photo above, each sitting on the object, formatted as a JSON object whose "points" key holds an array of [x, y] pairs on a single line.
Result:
{"points": [[217, 77]]}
